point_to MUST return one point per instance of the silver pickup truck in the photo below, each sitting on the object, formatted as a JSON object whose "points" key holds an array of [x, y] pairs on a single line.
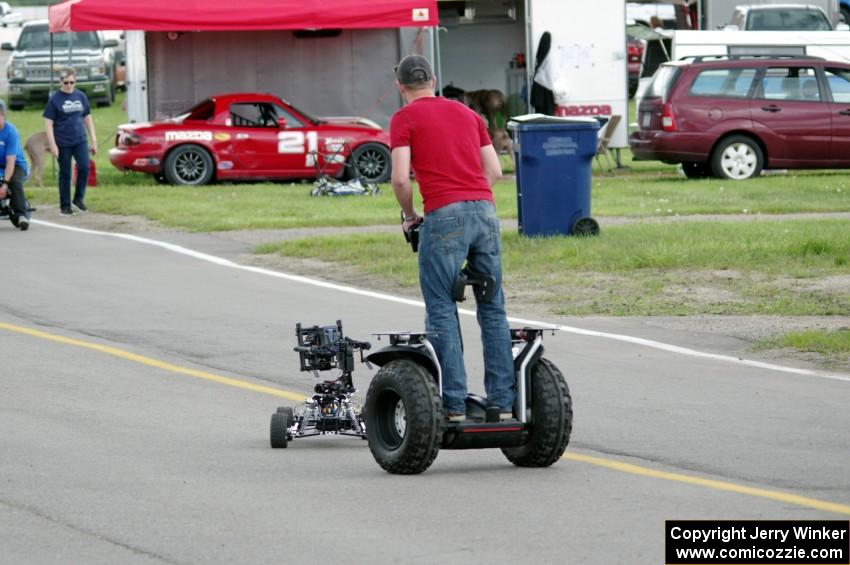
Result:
{"points": [[29, 72]]}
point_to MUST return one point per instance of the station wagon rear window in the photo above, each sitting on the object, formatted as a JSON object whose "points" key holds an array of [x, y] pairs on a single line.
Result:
{"points": [[733, 83], [661, 81]]}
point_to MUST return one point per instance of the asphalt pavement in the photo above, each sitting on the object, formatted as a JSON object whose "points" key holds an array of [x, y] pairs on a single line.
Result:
{"points": [[138, 380]]}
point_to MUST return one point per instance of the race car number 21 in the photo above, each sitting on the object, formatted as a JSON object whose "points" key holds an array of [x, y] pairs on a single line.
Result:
{"points": [[290, 142]]}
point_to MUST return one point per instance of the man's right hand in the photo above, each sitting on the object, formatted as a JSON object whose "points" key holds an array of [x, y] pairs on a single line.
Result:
{"points": [[54, 150], [407, 224]]}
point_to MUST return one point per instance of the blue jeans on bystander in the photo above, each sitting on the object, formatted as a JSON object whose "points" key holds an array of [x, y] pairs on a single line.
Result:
{"points": [[80, 153]]}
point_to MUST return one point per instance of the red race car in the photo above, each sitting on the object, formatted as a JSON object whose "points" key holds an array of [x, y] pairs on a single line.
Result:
{"points": [[252, 136]]}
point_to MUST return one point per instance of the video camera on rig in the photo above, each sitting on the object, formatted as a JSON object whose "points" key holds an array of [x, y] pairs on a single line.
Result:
{"points": [[323, 348]]}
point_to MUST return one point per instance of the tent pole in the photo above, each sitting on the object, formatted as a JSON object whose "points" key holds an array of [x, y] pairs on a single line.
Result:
{"points": [[49, 94], [435, 44], [52, 72], [529, 56]]}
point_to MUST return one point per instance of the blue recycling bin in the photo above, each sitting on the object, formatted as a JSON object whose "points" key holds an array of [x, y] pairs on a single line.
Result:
{"points": [[553, 158]]}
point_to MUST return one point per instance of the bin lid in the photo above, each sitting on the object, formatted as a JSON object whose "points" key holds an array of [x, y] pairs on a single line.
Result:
{"points": [[535, 121]]}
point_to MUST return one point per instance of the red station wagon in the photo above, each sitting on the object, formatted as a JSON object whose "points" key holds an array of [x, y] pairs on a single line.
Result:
{"points": [[733, 117], [251, 136]]}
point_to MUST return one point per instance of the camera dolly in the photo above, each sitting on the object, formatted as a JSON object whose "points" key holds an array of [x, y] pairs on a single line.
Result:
{"points": [[331, 410]]}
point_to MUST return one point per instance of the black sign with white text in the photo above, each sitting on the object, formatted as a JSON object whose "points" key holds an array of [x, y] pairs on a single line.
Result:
{"points": [[757, 542]]}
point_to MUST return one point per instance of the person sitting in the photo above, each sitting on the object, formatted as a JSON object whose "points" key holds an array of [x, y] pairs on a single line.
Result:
{"points": [[13, 170], [810, 90]]}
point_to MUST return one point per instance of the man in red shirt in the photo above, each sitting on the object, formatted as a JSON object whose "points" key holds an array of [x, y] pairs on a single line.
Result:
{"points": [[455, 165]]}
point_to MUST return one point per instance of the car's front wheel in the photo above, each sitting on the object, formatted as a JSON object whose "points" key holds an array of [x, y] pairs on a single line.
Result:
{"points": [[737, 158], [372, 162], [189, 165]]}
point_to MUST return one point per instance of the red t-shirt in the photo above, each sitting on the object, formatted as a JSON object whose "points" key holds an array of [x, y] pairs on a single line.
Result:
{"points": [[445, 138]]}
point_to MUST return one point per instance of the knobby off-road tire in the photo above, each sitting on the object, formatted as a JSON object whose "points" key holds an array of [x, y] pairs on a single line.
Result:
{"points": [[404, 418], [552, 419], [279, 430]]}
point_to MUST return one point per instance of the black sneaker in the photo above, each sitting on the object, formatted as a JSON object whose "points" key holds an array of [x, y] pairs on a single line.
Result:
{"points": [[23, 223], [67, 212], [81, 205]]}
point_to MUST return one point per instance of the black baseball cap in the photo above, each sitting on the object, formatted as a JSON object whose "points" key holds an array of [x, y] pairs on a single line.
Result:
{"points": [[414, 70]]}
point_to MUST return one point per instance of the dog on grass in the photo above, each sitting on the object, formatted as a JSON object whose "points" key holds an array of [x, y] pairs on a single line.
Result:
{"points": [[37, 147], [487, 104]]}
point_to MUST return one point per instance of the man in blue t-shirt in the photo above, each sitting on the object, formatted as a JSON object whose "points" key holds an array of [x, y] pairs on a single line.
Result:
{"points": [[67, 118], [13, 170]]}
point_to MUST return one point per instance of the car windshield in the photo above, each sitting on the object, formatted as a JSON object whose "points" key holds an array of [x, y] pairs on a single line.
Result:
{"points": [[787, 19], [202, 111], [37, 37], [308, 117]]}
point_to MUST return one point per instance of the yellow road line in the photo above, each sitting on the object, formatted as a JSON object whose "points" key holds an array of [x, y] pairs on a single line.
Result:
{"points": [[612, 464], [710, 483], [155, 363]]}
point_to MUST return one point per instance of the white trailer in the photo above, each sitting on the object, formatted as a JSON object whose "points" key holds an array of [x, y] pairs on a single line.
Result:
{"points": [[829, 45], [589, 57]]}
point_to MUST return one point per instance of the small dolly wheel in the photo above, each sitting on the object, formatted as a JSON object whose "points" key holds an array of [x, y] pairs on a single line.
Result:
{"points": [[279, 430]]}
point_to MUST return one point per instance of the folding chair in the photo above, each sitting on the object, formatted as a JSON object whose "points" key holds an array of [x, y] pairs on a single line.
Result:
{"points": [[605, 138]]}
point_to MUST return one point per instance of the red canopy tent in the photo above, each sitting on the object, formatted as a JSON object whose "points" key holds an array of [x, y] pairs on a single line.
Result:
{"points": [[246, 15], [343, 73]]}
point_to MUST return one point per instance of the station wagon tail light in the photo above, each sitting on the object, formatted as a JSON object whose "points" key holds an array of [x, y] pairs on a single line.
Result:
{"points": [[668, 120]]}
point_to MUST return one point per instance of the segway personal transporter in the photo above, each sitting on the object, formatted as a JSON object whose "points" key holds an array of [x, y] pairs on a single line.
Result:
{"points": [[404, 412]]}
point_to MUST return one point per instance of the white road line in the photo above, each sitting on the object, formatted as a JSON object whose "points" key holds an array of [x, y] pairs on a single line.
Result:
{"points": [[399, 300]]}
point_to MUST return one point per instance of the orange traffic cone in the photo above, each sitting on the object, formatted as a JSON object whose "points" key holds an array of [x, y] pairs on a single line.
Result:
{"points": [[92, 174]]}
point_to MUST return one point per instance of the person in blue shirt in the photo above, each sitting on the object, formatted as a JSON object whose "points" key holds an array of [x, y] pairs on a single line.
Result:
{"points": [[67, 118], [13, 170]]}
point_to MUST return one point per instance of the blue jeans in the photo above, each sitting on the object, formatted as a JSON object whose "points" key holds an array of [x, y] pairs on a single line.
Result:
{"points": [[449, 235], [80, 153], [18, 197]]}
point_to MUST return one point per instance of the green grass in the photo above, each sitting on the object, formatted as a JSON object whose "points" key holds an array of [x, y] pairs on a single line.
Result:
{"points": [[741, 267], [767, 267], [834, 344], [645, 189]]}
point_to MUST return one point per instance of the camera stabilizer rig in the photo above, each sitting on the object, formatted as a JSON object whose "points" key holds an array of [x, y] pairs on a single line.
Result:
{"points": [[331, 410]]}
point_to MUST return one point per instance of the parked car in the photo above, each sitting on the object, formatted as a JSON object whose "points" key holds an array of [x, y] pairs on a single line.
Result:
{"points": [[252, 136], [634, 62], [8, 17], [780, 17], [29, 69], [733, 117]]}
